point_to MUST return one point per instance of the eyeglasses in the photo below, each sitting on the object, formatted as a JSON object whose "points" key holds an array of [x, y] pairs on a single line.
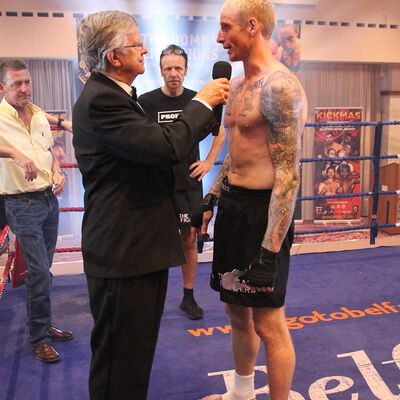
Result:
{"points": [[138, 45], [174, 51]]}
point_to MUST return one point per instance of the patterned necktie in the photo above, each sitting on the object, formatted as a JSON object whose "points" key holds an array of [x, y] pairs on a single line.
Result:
{"points": [[134, 95]]}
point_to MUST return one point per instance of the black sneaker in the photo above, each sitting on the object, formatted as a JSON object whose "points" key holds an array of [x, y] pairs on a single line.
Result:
{"points": [[191, 309]]}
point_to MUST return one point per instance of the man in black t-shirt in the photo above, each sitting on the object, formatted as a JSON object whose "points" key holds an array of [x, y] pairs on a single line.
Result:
{"points": [[164, 105]]}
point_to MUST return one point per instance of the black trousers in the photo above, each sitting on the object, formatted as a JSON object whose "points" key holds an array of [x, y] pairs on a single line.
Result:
{"points": [[127, 314]]}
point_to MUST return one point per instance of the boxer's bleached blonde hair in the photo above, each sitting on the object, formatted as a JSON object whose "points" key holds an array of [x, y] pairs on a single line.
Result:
{"points": [[102, 32], [262, 10]]}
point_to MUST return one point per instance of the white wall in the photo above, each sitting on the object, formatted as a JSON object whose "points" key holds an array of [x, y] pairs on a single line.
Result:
{"points": [[350, 44], [36, 37]]}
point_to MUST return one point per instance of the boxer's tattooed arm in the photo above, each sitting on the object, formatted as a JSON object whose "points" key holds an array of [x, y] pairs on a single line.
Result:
{"points": [[223, 172], [281, 104]]}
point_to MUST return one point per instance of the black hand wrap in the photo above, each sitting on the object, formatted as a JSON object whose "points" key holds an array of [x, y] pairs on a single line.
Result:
{"points": [[208, 203], [262, 270]]}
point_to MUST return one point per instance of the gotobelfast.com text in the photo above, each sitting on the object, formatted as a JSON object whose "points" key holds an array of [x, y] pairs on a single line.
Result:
{"points": [[314, 317]]}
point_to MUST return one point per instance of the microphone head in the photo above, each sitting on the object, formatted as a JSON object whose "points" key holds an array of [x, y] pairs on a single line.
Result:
{"points": [[222, 69]]}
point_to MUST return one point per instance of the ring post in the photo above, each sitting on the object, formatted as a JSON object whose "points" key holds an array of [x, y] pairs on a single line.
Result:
{"points": [[376, 161]]}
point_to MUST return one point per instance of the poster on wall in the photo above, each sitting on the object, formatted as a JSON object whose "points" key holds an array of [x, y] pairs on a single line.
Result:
{"points": [[285, 45], [60, 150], [337, 177]]}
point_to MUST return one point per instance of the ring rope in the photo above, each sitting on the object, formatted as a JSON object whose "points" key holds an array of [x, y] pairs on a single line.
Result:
{"points": [[3, 238], [342, 123], [334, 196], [6, 271], [342, 229], [68, 165], [375, 193], [67, 249], [350, 158], [348, 228]]}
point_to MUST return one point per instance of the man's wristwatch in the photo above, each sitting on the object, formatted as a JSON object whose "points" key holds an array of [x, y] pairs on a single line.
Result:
{"points": [[59, 122]]}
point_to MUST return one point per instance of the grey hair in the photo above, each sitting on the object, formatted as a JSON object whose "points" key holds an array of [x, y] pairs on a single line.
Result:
{"points": [[13, 64], [102, 32]]}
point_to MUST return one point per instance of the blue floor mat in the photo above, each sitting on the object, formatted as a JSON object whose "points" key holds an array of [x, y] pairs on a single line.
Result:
{"points": [[343, 309]]}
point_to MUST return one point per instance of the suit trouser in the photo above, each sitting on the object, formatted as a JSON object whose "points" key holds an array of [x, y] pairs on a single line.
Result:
{"points": [[127, 314]]}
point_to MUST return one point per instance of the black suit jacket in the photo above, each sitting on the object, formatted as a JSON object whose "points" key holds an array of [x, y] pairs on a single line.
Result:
{"points": [[129, 226]]}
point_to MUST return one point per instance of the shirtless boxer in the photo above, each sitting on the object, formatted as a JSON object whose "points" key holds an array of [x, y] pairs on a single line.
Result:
{"points": [[288, 39], [330, 185], [348, 181], [257, 188]]}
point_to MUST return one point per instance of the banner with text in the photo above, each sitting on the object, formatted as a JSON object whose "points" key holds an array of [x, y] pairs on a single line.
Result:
{"points": [[337, 177]]}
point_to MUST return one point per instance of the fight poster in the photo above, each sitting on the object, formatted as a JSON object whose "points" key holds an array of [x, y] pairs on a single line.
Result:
{"points": [[285, 45], [337, 177], [59, 138], [59, 150]]}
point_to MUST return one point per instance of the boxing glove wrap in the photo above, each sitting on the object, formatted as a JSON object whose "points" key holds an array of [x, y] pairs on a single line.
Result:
{"points": [[207, 204], [209, 201], [263, 269]]}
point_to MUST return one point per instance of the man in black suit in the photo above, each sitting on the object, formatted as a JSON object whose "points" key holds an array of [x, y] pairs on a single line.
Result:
{"points": [[129, 233]]}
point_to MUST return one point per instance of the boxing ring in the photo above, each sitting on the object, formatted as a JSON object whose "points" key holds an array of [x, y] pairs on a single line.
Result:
{"points": [[373, 227], [375, 193], [342, 311]]}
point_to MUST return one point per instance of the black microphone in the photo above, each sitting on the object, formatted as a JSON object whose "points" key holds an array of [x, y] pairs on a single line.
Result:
{"points": [[221, 69]]}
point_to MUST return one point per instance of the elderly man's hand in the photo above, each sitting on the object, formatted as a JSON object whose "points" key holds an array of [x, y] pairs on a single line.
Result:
{"points": [[214, 92], [59, 182]]}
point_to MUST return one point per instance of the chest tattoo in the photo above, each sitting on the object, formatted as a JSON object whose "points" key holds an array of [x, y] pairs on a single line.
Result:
{"points": [[244, 98], [235, 90]]}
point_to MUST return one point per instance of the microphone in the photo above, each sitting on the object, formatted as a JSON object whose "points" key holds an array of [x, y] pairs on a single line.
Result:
{"points": [[221, 69]]}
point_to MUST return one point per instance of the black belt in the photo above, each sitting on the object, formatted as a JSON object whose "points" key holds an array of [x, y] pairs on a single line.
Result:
{"points": [[32, 195]]}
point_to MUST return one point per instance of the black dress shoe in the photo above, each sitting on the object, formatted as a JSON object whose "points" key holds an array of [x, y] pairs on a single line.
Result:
{"points": [[191, 308], [60, 336], [45, 352]]}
